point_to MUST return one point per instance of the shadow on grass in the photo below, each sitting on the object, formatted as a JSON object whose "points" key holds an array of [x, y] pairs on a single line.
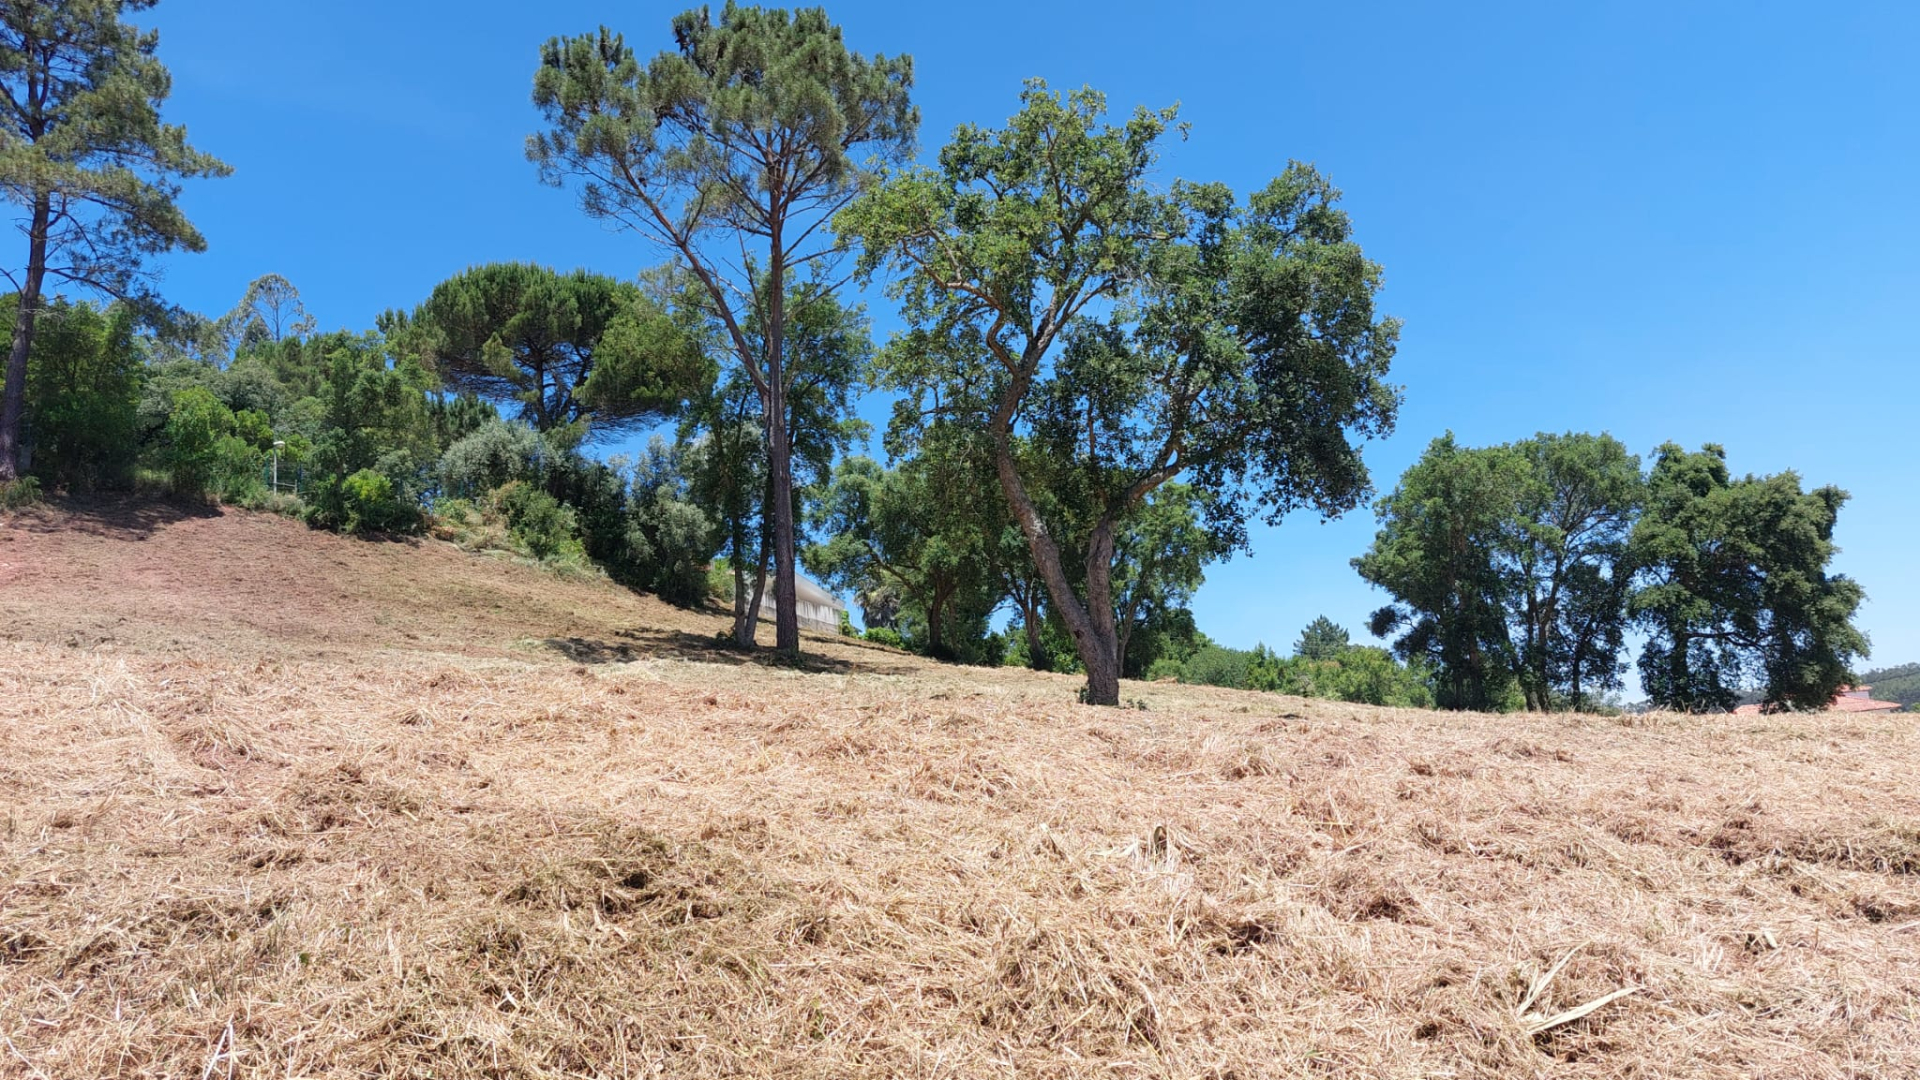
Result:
{"points": [[645, 643], [119, 516]]}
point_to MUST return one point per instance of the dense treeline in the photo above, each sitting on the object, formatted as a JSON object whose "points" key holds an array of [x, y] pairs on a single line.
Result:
{"points": [[1103, 379], [1518, 570]]}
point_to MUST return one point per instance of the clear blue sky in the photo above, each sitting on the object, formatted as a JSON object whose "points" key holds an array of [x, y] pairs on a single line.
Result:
{"points": [[1667, 221]]}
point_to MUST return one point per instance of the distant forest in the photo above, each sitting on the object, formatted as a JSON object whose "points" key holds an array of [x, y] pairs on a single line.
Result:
{"points": [[1901, 684]]}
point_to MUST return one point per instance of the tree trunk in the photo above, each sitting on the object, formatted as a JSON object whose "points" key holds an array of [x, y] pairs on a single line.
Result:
{"points": [[747, 623], [936, 627], [1103, 680], [1096, 650], [13, 403], [786, 608], [1037, 658]]}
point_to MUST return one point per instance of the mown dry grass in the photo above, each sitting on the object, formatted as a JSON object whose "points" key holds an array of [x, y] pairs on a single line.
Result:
{"points": [[467, 855]]}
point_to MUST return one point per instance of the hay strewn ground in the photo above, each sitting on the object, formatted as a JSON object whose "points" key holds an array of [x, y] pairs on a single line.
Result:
{"points": [[318, 807]]}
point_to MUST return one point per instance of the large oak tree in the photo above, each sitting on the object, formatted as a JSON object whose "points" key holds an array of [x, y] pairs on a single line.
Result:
{"points": [[1137, 334]]}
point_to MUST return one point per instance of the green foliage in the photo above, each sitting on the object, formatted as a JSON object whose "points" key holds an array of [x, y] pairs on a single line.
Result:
{"points": [[371, 415], [1323, 639], [1240, 348], [488, 457], [573, 350], [83, 387], [15, 494], [917, 529], [1216, 665], [846, 626], [671, 540], [83, 152], [1901, 684], [884, 635], [1735, 587], [1509, 568], [1159, 561], [369, 504], [748, 137], [543, 528], [195, 430]]}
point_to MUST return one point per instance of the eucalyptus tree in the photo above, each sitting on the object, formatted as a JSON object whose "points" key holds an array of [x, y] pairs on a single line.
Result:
{"points": [[575, 350], [1137, 334], [84, 155], [269, 312], [732, 151]]}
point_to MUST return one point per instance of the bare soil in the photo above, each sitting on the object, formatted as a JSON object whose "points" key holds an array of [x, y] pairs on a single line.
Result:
{"points": [[280, 803]]}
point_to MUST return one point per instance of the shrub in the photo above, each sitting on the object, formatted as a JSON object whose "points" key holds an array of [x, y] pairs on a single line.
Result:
{"points": [[1165, 667], [195, 427], [884, 635], [233, 470], [1217, 665], [15, 494], [846, 626], [670, 542], [489, 457], [543, 528], [369, 505]]}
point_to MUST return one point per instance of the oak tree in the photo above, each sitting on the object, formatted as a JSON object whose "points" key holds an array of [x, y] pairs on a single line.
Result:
{"points": [[1138, 334]]}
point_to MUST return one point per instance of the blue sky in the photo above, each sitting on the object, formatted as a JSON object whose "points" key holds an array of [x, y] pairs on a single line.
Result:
{"points": [[1693, 222]]}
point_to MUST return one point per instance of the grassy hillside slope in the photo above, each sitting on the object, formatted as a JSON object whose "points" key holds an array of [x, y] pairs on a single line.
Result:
{"points": [[278, 803]]}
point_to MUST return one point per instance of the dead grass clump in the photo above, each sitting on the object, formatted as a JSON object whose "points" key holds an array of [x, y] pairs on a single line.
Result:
{"points": [[343, 795], [1053, 985]]}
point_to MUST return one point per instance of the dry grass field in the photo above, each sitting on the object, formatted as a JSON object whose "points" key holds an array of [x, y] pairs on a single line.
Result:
{"points": [[275, 803]]}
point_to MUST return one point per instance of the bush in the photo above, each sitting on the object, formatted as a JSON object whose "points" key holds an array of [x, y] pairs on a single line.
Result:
{"points": [[195, 427], [18, 493], [369, 505], [884, 635], [233, 470], [1215, 665], [846, 626], [1165, 668], [491, 456], [671, 542], [543, 528]]}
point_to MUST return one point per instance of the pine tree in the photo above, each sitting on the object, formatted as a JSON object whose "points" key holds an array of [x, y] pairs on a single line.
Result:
{"points": [[83, 152]]}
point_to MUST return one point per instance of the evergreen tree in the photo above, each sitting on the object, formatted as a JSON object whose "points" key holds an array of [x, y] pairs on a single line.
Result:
{"points": [[579, 350], [747, 138], [85, 156], [1734, 587], [1323, 639], [1243, 354]]}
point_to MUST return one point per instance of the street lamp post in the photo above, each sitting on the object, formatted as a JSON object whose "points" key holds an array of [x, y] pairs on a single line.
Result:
{"points": [[277, 444]]}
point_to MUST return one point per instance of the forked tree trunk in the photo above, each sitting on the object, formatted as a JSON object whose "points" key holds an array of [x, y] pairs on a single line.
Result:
{"points": [[1089, 624]]}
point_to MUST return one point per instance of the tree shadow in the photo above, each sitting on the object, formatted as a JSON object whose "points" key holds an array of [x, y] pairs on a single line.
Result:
{"points": [[118, 517], [648, 643]]}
